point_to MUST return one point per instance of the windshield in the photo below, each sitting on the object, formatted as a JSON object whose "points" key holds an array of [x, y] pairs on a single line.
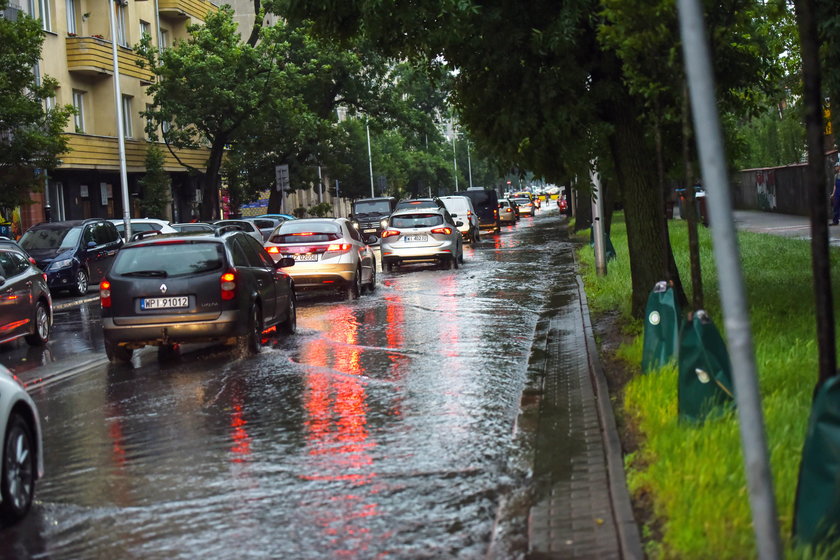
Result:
{"points": [[298, 231], [169, 259], [416, 220], [51, 238], [372, 206]]}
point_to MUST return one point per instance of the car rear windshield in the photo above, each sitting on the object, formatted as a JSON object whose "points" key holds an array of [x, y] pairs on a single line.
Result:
{"points": [[307, 232], [416, 220], [372, 206], [61, 238], [456, 205], [169, 259], [479, 197], [521, 201]]}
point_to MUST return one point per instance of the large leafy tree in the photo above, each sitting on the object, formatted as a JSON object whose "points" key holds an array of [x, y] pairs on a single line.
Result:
{"points": [[30, 137]]}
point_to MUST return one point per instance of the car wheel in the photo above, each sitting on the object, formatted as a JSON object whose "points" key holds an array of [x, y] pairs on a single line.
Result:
{"points": [[249, 343], [354, 288], [168, 352], [41, 332], [289, 326], [81, 286], [461, 256], [453, 262], [477, 236], [117, 353], [372, 285], [17, 482]]}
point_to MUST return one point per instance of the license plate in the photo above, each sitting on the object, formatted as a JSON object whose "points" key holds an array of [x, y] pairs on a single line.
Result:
{"points": [[305, 257], [164, 302], [370, 230], [415, 238]]}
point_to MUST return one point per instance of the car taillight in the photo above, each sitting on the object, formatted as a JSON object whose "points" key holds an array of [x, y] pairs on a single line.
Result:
{"points": [[228, 284], [389, 233], [105, 294], [273, 250], [508, 210], [469, 213], [496, 213], [338, 247], [442, 230]]}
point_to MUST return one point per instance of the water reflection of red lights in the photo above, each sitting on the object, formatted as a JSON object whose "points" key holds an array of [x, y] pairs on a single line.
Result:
{"points": [[241, 448]]}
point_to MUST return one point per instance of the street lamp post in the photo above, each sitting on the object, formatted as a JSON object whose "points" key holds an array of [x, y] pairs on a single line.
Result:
{"points": [[469, 163], [120, 132], [370, 161]]}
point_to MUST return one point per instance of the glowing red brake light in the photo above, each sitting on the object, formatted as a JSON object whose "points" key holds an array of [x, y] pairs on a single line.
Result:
{"points": [[339, 247], [442, 230], [105, 294], [228, 284], [389, 233], [273, 250]]}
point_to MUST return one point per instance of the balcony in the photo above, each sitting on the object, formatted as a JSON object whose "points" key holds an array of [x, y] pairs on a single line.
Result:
{"points": [[92, 56], [197, 9], [87, 151]]}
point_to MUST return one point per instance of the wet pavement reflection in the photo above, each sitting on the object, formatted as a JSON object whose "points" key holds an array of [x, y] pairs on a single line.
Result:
{"points": [[383, 428]]}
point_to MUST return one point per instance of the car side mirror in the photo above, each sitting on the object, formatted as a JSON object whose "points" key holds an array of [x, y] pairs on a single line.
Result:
{"points": [[459, 223], [370, 239], [91, 244], [285, 262], [2, 280]]}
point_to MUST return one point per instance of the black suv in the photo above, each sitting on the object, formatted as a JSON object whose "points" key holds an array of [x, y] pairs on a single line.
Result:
{"points": [[166, 290], [369, 214], [73, 253]]}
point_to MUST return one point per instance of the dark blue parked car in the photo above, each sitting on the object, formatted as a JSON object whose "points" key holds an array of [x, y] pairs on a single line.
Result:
{"points": [[74, 254]]}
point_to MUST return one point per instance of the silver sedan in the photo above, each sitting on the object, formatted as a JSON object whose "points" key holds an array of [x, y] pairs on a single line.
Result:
{"points": [[422, 235]]}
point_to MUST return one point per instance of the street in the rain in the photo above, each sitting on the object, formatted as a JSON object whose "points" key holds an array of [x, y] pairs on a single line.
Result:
{"points": [[386, 427]]}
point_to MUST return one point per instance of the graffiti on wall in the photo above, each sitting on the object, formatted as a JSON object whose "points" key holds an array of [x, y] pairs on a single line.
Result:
{"points": [[765, 186]]}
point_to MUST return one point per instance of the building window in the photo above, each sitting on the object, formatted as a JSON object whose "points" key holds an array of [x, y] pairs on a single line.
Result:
{"points": [[45, 7], [122, 32], [49, 103], [79, 104], [126, 114], [71, 17], [145, 28], [164, 39]]}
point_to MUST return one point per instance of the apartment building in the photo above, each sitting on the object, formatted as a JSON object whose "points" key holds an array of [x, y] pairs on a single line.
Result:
{"points": [[78, 53]]}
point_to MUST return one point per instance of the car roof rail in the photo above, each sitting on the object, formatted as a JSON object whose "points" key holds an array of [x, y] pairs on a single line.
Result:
{"points": [[144, 234]]}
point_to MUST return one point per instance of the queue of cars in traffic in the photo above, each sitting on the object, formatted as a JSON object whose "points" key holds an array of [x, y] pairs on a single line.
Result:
{"points": [[231, 281]]}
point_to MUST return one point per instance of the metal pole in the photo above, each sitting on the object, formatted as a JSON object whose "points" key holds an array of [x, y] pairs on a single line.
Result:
{"points": [[370, 161], [597, 223], [469, 163], [698, 68], [320, 186], [454, 160], [120, 132]]}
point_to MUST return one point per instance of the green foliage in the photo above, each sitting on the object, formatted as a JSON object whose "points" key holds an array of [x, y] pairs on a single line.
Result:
{"points": [[299, 212], [321, 210], [777, 137], [30, 137], [675, 460], [155, 198]]}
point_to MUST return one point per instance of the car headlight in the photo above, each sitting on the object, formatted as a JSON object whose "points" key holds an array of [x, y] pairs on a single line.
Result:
{"points": [[384, 223], [57, 265], [355, 224]]}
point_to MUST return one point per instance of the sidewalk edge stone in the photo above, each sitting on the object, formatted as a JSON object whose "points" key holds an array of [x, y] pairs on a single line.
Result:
{"points": [[628, 530]]}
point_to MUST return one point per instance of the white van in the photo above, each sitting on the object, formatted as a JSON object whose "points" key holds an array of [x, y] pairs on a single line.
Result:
{"points": [[461, 208]]}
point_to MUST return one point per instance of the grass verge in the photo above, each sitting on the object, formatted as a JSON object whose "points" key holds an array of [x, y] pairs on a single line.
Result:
{"points": [[693, 477]]}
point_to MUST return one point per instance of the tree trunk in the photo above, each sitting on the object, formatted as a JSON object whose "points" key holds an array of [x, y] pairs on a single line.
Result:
{"points": [[815, 179], [651, 258], [693, 239], [210, 204]]}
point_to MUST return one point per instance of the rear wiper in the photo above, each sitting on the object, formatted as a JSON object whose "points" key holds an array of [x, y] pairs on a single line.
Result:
{"points": [[149, 273]]}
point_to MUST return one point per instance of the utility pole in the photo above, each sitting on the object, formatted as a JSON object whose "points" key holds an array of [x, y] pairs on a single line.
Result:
{"points": [[370, 160], [120, 133], [597, 222], [469, 163]]}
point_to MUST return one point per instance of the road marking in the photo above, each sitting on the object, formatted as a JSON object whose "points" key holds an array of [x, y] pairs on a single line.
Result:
{"points": [[87, 299]]}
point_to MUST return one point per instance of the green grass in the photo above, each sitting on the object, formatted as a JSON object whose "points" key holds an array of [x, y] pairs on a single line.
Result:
{"points": [[695, 475]]}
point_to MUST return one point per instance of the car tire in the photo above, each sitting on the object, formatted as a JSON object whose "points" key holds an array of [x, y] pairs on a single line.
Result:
{"points": [[80, 288], [476, 236], [19, 470], [41, 323], [117, 353], [372, 284], [168, 352], [354, 288], [390, 266], [249, 343], [461, 256], [289, 325]]}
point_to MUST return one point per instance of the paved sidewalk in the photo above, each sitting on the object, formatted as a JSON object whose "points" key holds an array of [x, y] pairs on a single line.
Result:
{"points": [[583, 508]]}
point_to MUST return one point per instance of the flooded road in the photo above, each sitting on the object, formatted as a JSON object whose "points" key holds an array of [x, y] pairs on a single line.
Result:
{"points": [[382, 429]]}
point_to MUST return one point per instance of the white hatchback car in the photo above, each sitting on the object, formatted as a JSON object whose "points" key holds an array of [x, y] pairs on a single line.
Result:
{"points": [[329, 253], [461, 208], [143, 224], [21, 457], [422, 235]]}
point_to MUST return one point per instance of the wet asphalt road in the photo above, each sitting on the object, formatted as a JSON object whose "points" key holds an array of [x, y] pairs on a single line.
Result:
{"points": [[383, 428]]}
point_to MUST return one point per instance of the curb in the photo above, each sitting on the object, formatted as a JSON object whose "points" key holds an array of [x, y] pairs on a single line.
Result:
{"points": [[58, 371], [630, 542]]}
